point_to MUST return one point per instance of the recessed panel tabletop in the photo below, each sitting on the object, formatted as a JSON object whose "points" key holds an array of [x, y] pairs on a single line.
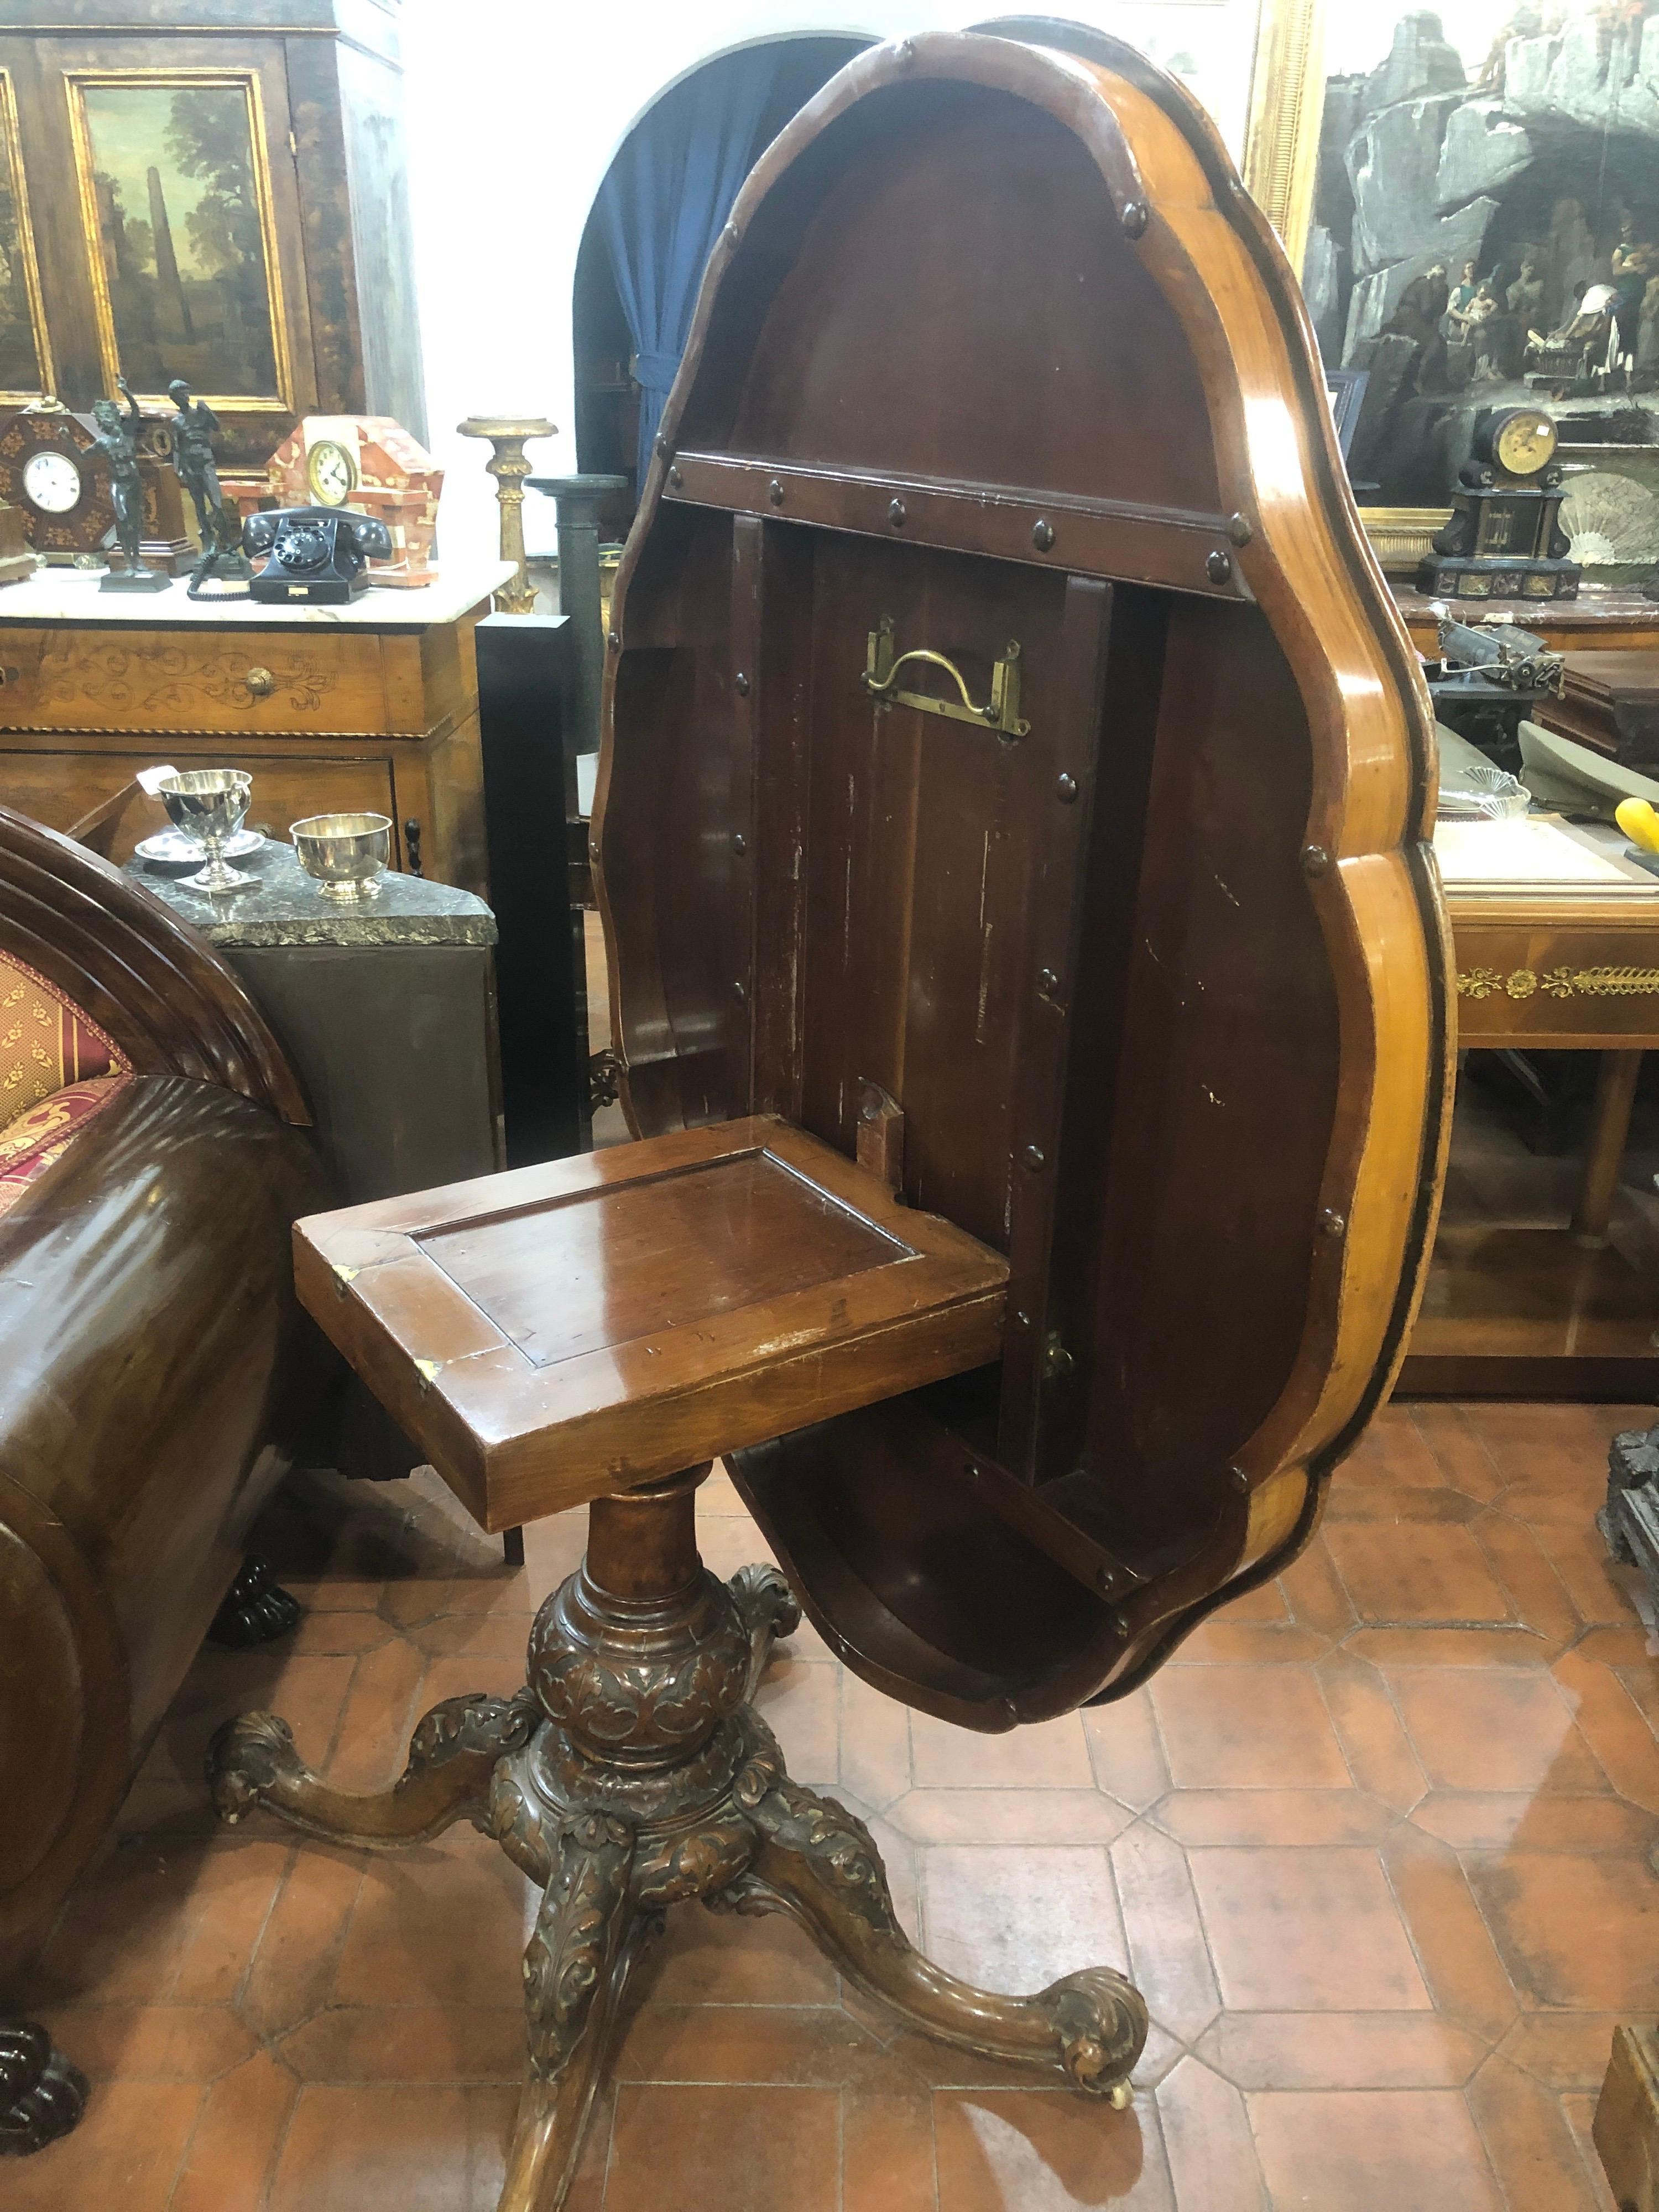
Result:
{"points": [[562, 1331], [609, 1266]]}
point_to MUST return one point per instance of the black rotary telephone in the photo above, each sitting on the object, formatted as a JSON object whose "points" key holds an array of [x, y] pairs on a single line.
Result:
{"points": [[317, 553]]}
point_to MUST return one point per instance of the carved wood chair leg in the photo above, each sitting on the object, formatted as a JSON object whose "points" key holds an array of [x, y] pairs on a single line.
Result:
{"points": [[42, 2096], [257, 1609], [587, 1935], [819, 1864], [251, 1761]]}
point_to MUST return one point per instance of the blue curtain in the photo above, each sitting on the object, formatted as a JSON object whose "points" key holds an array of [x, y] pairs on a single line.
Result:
{"points": [[663, 206]]}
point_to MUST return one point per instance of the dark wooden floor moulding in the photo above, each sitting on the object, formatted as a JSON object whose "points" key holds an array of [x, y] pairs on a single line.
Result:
{"points": [[1029, 994]]}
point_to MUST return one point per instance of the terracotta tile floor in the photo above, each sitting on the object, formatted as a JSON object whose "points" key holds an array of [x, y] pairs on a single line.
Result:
{"points": [[1377, 1848]]}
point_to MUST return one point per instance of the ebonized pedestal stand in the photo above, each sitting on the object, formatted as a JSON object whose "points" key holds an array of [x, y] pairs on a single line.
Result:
{"points": [[632, 1774]]}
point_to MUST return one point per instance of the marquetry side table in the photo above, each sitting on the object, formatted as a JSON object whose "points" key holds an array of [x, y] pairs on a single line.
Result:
{"points": [[1515, 1307]]}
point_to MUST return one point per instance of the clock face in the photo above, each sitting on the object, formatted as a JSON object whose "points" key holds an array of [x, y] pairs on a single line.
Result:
{"points": [[1525, 442], [332, 472], [51, 482]]}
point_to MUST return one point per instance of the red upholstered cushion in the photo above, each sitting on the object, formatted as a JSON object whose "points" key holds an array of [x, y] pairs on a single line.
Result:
{"points": [[45, 1041], [30, 1145]]}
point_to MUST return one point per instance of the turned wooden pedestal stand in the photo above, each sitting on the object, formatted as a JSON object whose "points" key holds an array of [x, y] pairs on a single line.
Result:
{"points": [[643, 1309], [632, 1774]]}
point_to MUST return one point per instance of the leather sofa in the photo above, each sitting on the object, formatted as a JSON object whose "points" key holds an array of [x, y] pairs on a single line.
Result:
{"points": [[155, 1372]]}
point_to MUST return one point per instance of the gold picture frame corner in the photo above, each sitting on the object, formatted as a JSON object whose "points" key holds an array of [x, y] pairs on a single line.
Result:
{"points": [[11, 151], [1286, 107], [1400, 536]]}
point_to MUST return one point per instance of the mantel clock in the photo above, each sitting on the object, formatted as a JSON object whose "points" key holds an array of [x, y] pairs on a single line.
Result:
{"points": [[65, 496], [370, 464], [45, 471], [1504, 539]]}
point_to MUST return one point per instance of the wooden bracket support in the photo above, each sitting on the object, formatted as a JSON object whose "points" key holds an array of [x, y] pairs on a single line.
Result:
{"points": [[881, 1135]]}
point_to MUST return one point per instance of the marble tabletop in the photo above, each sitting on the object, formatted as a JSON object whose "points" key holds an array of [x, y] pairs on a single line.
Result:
{"points": [[287, 907], [73, 595]]}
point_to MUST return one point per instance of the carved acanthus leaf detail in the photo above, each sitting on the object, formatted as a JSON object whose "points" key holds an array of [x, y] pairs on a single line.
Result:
{"points": [[246, 1758], [576, 1934], [837, 1846], [1101, 2020]]}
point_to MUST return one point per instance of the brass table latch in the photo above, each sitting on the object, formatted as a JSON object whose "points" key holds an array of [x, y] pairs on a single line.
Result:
{"points": [[1002, 714]]}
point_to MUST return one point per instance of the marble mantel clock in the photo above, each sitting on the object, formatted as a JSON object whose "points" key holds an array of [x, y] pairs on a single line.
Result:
{"points": [[370, 464], [1504, 539]]}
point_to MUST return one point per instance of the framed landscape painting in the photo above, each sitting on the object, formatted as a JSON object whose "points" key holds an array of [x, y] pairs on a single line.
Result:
{"points": [[1484, 230], [176, 203]]}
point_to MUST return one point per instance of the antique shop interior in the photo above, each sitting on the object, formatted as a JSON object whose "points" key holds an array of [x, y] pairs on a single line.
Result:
{"points": [[828, 1194]]}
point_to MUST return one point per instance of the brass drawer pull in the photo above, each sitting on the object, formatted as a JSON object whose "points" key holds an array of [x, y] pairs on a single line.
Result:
{"points": [[1002, 714], [9, 676], [260, 682]]}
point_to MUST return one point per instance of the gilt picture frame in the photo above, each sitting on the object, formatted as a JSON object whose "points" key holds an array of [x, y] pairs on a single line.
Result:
{"points": [[173, 168], [23, 329], [1287, 99]]}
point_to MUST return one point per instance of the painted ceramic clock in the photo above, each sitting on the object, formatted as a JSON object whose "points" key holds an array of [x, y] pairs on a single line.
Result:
{"points": [[44, 472], [371, 464], [1504, 539]]}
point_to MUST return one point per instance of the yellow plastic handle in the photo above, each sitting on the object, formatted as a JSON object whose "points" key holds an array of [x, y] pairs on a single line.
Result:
{"points": [[1640, 822]]}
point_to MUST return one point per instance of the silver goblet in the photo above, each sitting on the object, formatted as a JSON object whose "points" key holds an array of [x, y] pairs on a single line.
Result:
{"points": [[346, 852], [209, 803]]}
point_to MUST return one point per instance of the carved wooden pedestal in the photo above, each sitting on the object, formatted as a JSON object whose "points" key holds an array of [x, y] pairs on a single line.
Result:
{"points": [[632, 1774]]}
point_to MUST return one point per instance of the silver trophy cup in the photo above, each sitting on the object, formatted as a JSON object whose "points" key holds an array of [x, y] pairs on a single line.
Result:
{"points": [[209, 803], [346, 852]]}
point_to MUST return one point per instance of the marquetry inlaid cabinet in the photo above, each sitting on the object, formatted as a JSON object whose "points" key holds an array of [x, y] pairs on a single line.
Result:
{"points": [[374, 705]]}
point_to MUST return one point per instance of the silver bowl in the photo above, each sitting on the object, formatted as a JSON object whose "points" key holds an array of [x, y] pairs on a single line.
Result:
{"points": [[208, 804], [344, 851]]}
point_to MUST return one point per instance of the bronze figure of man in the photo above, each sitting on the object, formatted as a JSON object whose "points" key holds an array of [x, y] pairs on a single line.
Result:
{"points": [[118, 449], [193, 427]]}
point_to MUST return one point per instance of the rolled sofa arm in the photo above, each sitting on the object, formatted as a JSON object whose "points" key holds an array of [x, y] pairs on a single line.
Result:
{"points": [[153, 1368]]}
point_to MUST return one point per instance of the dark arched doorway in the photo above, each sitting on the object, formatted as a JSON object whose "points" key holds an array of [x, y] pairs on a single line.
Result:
{"points": [[608, 394]]}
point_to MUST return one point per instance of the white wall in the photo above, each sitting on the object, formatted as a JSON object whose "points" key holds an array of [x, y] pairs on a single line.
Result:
{"points": [[514, 114]]}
